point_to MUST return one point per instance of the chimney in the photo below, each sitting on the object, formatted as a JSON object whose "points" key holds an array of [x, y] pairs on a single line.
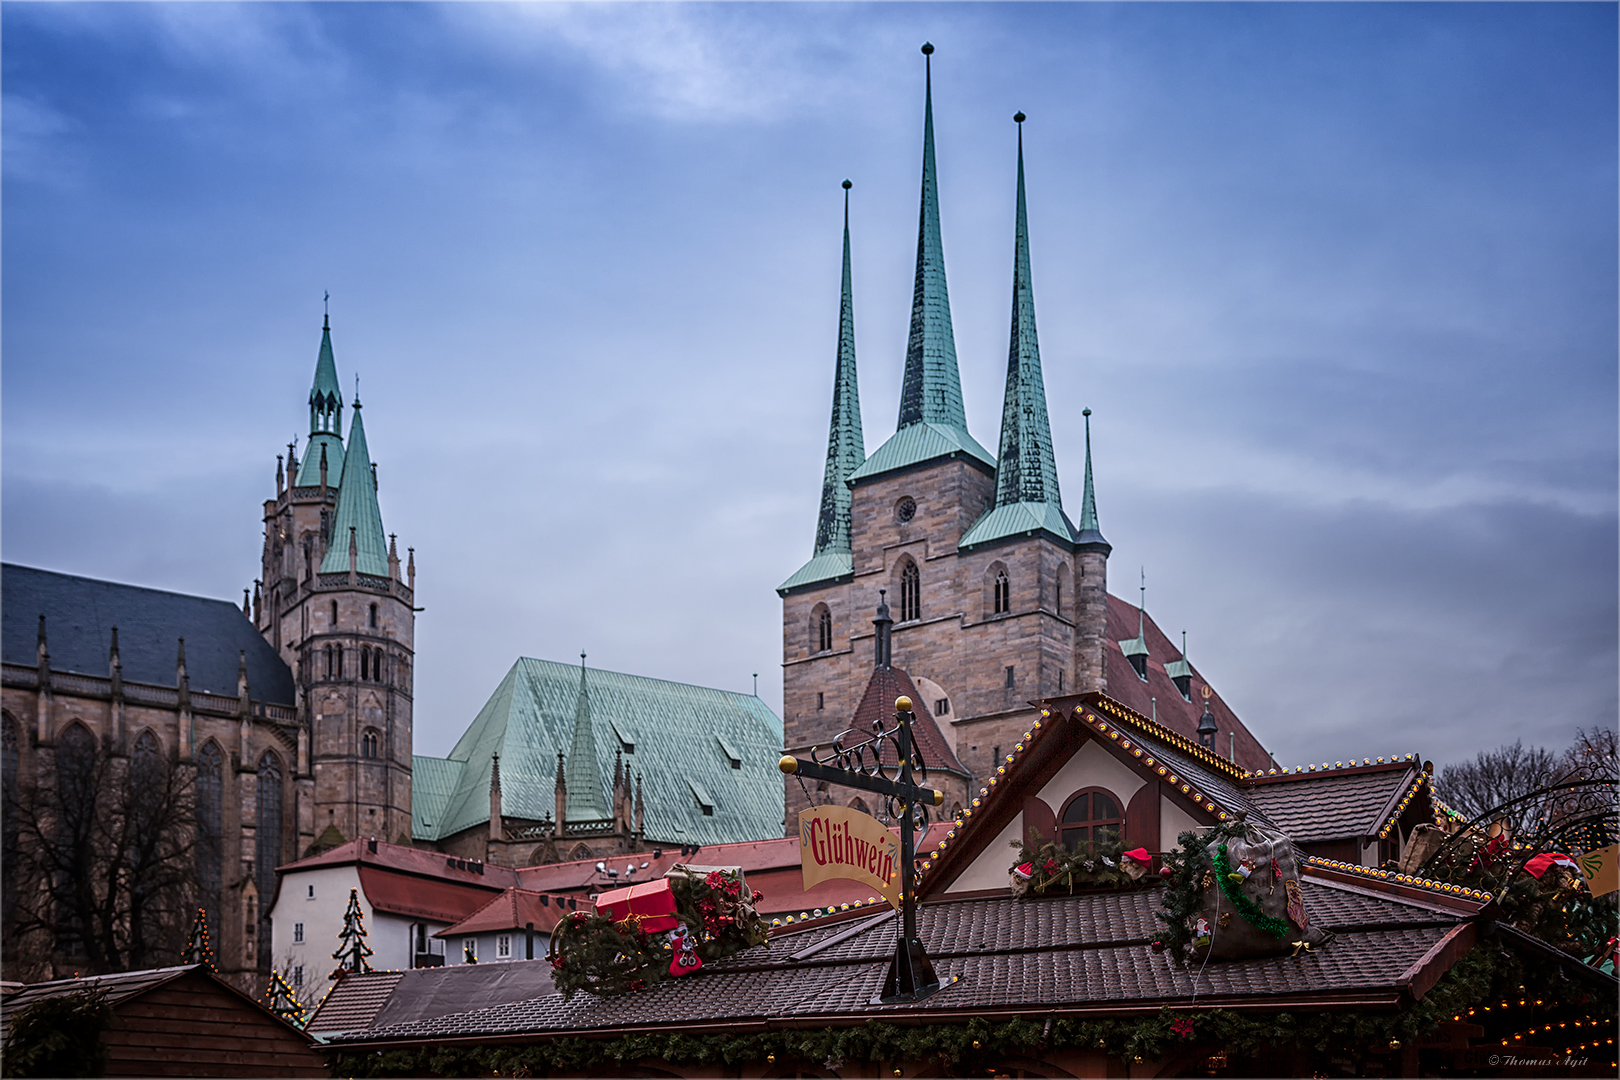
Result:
{"points": [[881, 642]]}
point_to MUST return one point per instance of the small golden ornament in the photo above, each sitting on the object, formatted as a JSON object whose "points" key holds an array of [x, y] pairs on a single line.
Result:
{"points": [[770, 1059], [1394, 1044], [975, 1044], [1209, 880]]}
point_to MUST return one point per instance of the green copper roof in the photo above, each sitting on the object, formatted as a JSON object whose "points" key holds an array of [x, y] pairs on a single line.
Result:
{"points": [[846, 448], [433, 781], [931, 392], [1138, 646], [827, 567], [1027, 496], [357, 509], [531, 715], [1179, 668], [586, 802], [1090, 537], [325, 421]]}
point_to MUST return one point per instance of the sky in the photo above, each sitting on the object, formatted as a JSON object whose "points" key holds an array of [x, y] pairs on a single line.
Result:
{"points": [[1338, 281]]}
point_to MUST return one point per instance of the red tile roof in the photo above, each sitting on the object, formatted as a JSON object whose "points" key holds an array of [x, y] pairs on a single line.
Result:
{"points": [[877, 705], [420, 898], [1174, 712], [513, 909]]}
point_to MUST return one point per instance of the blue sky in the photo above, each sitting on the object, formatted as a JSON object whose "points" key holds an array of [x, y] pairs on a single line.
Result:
{"points": [[1339, 282]]}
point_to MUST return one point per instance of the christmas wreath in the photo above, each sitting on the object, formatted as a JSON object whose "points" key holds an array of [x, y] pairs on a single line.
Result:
{"points": [[591, 951], [1101, 864]]}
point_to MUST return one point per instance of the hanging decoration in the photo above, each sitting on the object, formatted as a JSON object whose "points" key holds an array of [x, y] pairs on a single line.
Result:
{"points": [[692, 916], [280, 999], [352, 949]]}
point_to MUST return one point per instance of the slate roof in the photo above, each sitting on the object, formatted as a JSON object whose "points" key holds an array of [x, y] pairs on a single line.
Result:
{"points": [[1324, 806], [357, 509], [80, 613], [401, 997], [1087, 953], [675, 728]]}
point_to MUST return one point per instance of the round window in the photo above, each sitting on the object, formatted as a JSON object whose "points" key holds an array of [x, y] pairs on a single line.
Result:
{"points": [[905, 509]]}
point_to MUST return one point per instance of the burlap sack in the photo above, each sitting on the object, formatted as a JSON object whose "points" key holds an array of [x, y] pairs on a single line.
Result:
{"points": [[1267, 869]]}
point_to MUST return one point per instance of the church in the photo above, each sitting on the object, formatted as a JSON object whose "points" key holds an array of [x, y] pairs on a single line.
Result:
{"points": [[956, 576]]}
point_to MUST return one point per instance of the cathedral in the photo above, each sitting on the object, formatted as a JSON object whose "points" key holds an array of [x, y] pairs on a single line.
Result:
{"points": [[957, 576]]}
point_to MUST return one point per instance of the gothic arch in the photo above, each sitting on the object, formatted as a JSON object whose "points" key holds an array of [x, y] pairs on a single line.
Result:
{"points": [[858, 803], [908, 586], [267, 833], [997, 590], [370, 742], [581, 851], [821, 629]]}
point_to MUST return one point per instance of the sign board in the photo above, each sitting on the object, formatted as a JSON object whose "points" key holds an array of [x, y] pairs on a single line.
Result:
{"points": [[1601, 868], [838, 842]]}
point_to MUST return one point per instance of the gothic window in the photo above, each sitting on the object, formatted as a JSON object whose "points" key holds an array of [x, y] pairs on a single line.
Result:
{"points": [[269, 842], [859, 804], [1091, 815], [368, 743], [365, 664], [1003, 589], [374, 616], [147, 781], [210, 831], [337, 661], [821, 628], [309, 557], [76, 795], [910, 592]]}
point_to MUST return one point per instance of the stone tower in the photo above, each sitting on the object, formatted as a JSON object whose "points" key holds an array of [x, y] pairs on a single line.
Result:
{"points": [[999, 600], [333, 602]]}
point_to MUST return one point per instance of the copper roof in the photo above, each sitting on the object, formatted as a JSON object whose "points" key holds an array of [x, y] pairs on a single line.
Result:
{"points": [[1082, 954]]}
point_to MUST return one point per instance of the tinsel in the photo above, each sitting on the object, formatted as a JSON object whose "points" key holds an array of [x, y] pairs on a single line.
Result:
{"points": [[592, 952], [1246, 907]]}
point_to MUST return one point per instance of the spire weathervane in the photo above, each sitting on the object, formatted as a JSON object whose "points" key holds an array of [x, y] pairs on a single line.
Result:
{"points": [[326, 310]]}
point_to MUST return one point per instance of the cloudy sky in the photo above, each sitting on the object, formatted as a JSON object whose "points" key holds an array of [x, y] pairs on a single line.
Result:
{"points": [[1338, 281]]}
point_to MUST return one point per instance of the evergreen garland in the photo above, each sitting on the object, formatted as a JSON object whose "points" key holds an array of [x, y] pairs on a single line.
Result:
{"points": [[978, 1045], [59, 1036], [1185, 870], [591, 952], [1098, 865], [1246, 907]]}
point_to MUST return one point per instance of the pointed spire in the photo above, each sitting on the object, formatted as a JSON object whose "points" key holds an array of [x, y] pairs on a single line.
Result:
{"points": [[357, 510], [846, 447], [1090, 537], [1025, 471], [585, 798], [1180, 671], [325, 413], [1136, 649], [932, 390]]}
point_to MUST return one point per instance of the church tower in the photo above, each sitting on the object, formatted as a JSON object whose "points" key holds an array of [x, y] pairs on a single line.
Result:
{"points": [[333, 601]]}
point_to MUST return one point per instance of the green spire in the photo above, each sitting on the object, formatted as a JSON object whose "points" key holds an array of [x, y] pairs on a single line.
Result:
{"points": [[1027, 496], [846, 448], [357, 510], [585, 799], [1090, 537], [932, 390], [325, 419], [932, 421]]}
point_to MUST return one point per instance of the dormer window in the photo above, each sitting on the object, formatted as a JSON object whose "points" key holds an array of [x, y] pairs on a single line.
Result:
{"points": [[1090, 817]]}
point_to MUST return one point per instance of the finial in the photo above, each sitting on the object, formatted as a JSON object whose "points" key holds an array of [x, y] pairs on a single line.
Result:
{"points": [[927, 49], [582, 659], [357, 389], [1018, 118], [326, 310], [848, 185]]}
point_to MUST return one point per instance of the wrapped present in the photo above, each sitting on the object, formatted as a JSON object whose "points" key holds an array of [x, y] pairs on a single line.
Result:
{"points": [[648, 907]]}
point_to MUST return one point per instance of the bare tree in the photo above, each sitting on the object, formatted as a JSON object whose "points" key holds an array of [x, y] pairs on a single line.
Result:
{"points": [[104, 873], [1499, 776]]}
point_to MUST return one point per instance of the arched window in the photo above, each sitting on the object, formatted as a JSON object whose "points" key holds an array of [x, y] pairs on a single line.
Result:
{"points": [[328, 652], [374, 616], [76, 784], [368, 743], [365, 664], [859, 804], [1003, 591], [334, 615], [910, 592], [1090, 816], [210, 832], [821, 628], [582, 852], [309, 557], [1062, 588], [148, 779], [337, 662], [269, 843]]}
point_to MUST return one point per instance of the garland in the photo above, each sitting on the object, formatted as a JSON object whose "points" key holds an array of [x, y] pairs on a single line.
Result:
{"points": [[977, 1046], [1246, 907], [1185, 871], [593, 953], [1099, 865]]}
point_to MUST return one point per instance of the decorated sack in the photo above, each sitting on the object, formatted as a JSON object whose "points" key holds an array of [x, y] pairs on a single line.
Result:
{"points": [[669, 928], [1053, 870], [1234, 892]]}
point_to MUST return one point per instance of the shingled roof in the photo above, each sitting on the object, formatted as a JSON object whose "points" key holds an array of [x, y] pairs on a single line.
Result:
{"points": [[1332, 805], [1088, 954], [81, 612]]}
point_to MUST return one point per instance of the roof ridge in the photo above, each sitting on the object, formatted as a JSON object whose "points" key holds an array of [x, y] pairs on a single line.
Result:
{"points": [[1175, 741]]}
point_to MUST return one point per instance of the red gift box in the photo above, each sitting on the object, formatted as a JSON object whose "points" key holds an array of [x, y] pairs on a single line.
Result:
{"points": [[651, 904]]}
